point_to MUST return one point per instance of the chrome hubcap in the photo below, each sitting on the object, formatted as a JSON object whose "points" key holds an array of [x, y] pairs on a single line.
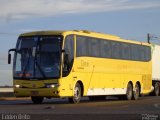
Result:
{"points": [[136, 90], [76, 93], [129, 92]]}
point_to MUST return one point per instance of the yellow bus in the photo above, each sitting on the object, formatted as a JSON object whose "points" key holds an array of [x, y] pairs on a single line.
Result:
{"points": [[80, 63]]}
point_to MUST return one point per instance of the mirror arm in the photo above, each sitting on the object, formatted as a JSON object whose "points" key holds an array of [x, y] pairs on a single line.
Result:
{"points": [[12, 50]]}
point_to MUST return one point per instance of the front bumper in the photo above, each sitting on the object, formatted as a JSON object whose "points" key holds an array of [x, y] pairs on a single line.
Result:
{"points": [[43, 92]]}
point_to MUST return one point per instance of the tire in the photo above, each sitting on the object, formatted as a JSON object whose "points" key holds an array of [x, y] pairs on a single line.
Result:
{"points": [[37, 100], [129, 92], [77, 94], [157, 89], [136, 92]]}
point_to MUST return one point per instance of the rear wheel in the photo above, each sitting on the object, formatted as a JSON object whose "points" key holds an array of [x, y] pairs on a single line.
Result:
{"points": [[136, 92], [77, 94], [37, 100], [129, 92]]}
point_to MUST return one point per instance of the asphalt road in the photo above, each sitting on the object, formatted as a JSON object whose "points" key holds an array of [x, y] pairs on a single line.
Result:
{"points": [[146, 108]]}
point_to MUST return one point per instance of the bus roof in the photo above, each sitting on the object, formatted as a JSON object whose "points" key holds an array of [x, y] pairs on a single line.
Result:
{"points": [[84, 33]]}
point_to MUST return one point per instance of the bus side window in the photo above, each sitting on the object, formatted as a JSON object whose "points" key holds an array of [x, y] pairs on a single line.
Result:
{"points": [[142, 53], [68, 54], [82, 47], [148, 53], [94, 47], [116, 52], [126, 55], [105, 49], [135, 55]]}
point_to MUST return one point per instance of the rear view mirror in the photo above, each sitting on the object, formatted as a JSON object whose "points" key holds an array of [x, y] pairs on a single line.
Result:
{"points": [[9, 58], [9, 55], [63, 51]]}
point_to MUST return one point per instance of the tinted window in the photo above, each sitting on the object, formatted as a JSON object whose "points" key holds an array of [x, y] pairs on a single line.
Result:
{"points": [[105, 48], [68, 54], [94, 47], [134, 52], [148, 53], [116, 50], [126, 51], [82, 46], [69, 46], [142, 52]]}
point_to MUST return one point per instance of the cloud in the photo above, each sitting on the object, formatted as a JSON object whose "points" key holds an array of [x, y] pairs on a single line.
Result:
{"points": [[22, 9]]}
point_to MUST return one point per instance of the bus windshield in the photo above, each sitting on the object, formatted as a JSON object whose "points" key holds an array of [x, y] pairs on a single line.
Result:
{"points": [[38, 57]]}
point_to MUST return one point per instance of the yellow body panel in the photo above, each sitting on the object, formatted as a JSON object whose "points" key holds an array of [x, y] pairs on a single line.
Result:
{"points": [[99, 74], [109, 73]]}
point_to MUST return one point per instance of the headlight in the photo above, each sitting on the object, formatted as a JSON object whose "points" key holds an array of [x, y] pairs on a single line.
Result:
{"points": [[17, 86], [52, 85]]}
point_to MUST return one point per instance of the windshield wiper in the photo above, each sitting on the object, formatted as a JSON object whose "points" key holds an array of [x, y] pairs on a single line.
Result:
{"points": [[25, 67], [37, 64], [40, 69]]}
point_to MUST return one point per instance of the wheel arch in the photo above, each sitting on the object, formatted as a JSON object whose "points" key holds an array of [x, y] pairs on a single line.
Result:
{"points": [[130, 83]]}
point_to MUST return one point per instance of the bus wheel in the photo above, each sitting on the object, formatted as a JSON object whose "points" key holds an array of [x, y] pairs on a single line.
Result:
{"points": [[157, 89], [129, 92], [77, 94], [37, 100], [136, 92]]}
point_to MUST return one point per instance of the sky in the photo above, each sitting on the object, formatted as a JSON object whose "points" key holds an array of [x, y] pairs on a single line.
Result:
{"points": [[129, 19]]}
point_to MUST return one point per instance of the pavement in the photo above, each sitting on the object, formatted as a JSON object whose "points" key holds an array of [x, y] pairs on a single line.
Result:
{"points": [[146, 108]]}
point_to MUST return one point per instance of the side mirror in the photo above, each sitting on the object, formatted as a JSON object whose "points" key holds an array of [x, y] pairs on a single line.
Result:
{"points": [[9, 55], [63, 51], [9, 58]]}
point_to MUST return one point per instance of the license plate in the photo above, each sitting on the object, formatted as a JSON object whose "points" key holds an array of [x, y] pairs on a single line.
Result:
{"points": [[34, 92]]}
